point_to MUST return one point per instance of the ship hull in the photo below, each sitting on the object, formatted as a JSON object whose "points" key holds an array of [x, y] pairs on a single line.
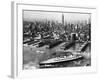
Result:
{"points": [[60, 63]]}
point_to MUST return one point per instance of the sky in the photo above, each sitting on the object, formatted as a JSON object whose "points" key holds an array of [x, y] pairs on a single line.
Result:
{"points": [[56, 16]]}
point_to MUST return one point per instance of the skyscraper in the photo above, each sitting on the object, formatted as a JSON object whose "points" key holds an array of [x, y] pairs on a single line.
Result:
{"points": [[62, 19]]}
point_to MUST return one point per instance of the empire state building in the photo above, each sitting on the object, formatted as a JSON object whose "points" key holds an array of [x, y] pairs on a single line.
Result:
{"points": [[62, 19]]}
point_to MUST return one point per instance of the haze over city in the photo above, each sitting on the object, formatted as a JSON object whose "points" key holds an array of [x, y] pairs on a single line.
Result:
{"points": [[55, 16]]}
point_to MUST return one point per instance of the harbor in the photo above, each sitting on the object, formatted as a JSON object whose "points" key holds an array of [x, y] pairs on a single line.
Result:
{"points": [[53, 44]]}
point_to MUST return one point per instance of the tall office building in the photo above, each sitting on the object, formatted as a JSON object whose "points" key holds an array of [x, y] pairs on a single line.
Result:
{"points": [[62, 19]]}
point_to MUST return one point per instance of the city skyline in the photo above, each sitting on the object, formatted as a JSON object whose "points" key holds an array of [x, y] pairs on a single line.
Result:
{"points": [[42, 16]]}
